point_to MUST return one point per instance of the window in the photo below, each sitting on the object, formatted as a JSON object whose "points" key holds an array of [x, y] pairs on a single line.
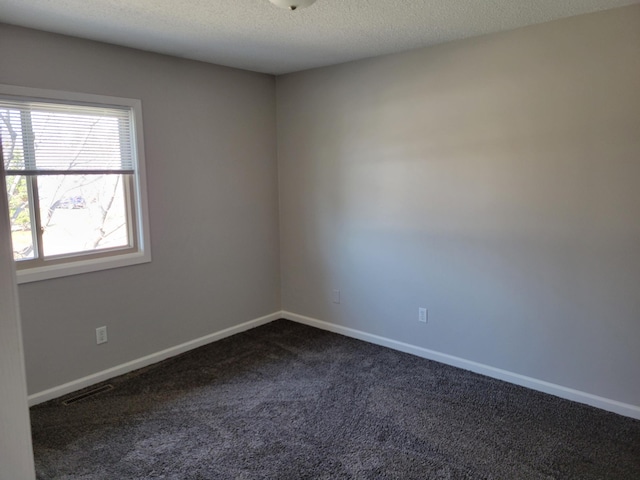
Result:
{"points": [[74, 169]]}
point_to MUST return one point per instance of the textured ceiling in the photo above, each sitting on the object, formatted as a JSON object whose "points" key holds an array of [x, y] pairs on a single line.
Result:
{"points": [[255, 35]]}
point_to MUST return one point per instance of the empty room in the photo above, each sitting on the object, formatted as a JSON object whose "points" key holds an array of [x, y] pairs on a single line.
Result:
{"points": [[287, 239]]}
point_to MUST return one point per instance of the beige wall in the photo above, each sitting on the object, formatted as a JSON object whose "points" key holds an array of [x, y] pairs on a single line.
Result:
{"points": [[212, 187], [493, 181]]}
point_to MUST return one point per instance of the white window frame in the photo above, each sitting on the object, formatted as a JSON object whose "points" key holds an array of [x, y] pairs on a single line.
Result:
{"points": [[76, 264]]}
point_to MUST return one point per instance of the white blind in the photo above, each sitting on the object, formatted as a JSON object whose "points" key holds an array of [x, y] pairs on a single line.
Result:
{"points": [[54, 138]]}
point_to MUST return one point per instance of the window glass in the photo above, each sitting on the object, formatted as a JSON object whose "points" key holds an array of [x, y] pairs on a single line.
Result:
{"points": [[81, 213], [20, 216]]}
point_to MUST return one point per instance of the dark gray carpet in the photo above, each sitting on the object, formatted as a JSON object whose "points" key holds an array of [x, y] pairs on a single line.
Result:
{"points": [[286, 401]]}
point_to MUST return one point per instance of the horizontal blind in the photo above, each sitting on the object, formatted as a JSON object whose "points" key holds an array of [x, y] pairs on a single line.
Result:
{"points": [[41, 138]]}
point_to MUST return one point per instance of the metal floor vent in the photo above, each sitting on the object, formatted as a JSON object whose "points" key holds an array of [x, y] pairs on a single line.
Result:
{"points": [[88, 393]]}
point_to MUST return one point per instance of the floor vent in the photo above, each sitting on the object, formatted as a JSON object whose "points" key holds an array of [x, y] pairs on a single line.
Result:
{"points": [[87, 394]]}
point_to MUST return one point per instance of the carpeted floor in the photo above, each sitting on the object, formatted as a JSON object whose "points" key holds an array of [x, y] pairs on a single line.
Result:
{"points": [[286, 401]]}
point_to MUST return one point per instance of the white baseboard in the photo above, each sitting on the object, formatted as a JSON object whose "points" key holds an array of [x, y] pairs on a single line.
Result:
{"points": [[621, 408], [615, 406], [89, 380]]}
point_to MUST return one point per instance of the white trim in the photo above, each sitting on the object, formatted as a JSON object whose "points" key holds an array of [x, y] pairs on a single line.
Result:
{"points": [[89, 380], [46, 94], [603, 403], [86, 265]]}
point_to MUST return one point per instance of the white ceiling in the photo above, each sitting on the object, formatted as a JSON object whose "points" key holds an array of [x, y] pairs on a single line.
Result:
{"points": [[256, 35]]}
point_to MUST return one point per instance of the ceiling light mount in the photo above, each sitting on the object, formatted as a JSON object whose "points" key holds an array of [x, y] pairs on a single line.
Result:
{"points": [[292, 4]]}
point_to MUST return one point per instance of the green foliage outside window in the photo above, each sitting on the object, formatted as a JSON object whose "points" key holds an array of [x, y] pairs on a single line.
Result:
{"points": [[18, 202]]}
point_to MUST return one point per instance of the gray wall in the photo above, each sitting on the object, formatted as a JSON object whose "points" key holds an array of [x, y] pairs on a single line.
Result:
{"points": [[16, 457], [210, 144], [492, 180]]}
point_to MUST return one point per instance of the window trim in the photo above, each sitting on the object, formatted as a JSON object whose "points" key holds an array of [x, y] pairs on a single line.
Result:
{"points": [[78, 264]]}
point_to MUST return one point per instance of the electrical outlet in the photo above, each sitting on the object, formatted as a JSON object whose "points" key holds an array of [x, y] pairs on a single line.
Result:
{"points": [[423, 314], [101, 335], [336, 296]]}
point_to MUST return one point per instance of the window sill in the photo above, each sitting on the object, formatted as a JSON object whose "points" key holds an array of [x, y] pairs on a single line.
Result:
{"points": [[77, 267]]}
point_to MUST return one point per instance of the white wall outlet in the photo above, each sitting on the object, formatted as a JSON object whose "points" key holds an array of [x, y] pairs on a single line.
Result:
{"points": [[335, 296], [423, 314], [101, 335]]}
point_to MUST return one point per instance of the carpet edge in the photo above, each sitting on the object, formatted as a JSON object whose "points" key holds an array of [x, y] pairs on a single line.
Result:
{"points": [[603, 403]]}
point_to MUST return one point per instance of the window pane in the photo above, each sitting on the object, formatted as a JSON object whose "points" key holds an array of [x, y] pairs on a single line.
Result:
{"points": [[12, 141], [81, 213], [20, 215]]}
